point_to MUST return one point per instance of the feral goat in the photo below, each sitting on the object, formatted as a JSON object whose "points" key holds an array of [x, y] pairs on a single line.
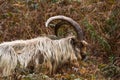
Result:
{"points": [[43, 50]]}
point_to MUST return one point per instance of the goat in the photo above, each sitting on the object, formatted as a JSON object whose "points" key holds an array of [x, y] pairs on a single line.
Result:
{"points": [[79, 43], [42, 50]]}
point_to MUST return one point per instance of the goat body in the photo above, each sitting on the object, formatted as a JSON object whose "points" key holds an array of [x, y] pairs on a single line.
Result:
{"points": [[54, 52]]}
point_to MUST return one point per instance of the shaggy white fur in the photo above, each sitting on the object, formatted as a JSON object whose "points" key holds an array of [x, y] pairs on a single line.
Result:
{"points": [[23, 51]]}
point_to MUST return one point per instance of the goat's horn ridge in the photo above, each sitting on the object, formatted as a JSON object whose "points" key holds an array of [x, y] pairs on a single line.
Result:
{"points": [[75, 25]]}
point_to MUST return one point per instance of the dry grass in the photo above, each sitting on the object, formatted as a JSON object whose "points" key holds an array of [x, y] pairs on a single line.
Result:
{"points": [[99, 19]]}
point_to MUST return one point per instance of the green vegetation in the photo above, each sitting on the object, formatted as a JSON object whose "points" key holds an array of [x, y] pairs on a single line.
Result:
{"points": [[96, 37], [99, 19]]}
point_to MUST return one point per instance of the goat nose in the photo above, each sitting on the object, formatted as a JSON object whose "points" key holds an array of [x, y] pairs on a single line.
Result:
{"points": [[83, 56]]}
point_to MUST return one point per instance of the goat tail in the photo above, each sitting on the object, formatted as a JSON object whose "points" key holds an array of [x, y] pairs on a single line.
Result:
{"points": [[8, 60]]}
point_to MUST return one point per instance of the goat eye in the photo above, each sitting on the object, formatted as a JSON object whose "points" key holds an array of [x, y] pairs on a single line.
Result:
{"points": [[81, 45]]}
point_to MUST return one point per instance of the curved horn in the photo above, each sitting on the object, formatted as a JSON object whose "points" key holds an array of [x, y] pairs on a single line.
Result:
{"points": [[75, 25]]}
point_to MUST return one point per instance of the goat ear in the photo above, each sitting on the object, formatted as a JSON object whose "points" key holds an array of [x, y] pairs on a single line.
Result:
{"points": [[84, 43]]}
